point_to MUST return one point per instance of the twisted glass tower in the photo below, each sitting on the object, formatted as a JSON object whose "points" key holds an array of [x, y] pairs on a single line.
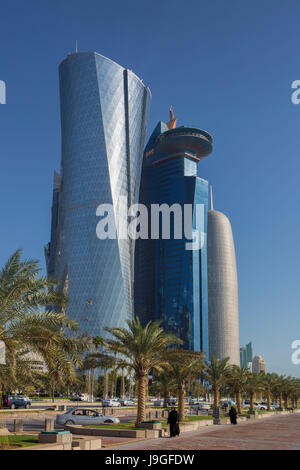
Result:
{"points": [[104, 113]]}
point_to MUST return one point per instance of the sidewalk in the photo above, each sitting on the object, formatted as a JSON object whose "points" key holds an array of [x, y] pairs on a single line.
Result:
{"points": [[273, 433]]}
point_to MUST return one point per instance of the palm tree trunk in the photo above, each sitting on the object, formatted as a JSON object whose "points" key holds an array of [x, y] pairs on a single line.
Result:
{"points": [[286, 401], [89, 382], [112, 383], [165, 397], [238, 402], [123, 392], [106, 384], [93, 383], [268, 401], [181, 407], [216, 393], [280, 399], [252, 401], [141, 411]]}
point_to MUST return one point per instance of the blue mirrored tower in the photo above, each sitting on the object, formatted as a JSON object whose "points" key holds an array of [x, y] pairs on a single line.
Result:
{"points": [[104, 114], [171, 281]]}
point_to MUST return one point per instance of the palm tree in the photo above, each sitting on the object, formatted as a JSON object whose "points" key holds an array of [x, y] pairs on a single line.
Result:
{"points": [[278, 389], [26, 326], [183, 365], [216, 373], [237, 379], [165, 384], [98, 342], [143, 349], [269, 382], [290, 390], [295, 392], [122, 365], [254, 385]]}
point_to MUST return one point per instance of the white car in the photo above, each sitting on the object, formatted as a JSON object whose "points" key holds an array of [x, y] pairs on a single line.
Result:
{"points": [[80, 397], [84, 416], [110, 403], [201, 406], [125, 402], [261, 407]]}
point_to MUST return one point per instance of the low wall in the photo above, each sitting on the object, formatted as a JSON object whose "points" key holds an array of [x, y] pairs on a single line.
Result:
{"points": [[48, 447], [131, 433]]}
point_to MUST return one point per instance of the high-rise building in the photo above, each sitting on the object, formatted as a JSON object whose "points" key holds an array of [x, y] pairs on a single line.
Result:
{"points": [[246, 356], [171, 280], [223, 310], [258, 365], [104, 113]]}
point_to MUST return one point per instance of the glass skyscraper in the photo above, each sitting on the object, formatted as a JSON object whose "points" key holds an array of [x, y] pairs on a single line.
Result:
{"points": [[246, 356], [104, 113], [171, 281]]}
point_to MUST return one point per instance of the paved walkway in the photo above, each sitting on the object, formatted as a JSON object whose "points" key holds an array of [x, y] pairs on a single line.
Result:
{"points": [[273, 433]]}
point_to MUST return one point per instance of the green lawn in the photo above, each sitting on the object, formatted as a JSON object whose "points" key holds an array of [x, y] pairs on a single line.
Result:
{"points": [[198, 418], [114, 426], [131, 425], [24, 440], [11, 412]]}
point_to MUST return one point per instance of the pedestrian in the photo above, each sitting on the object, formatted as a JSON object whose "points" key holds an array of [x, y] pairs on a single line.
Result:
{"points": [[173, 421], [233, 415]]}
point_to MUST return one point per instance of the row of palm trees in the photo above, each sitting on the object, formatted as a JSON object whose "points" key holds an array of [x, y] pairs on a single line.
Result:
{"points": [[241, 383], [149, 349], [35, 335]]}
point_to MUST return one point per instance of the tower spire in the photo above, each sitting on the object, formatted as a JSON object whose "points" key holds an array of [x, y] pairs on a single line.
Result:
{"points": [[172, 123], [211, 199]]}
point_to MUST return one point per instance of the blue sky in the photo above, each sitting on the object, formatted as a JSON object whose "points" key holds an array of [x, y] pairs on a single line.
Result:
{"points": [[226, 67]]}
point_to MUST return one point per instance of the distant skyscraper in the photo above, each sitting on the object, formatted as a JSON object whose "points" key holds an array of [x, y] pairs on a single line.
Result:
{"points": [[171, 281], [104, 113], [223, 310], [258, 365], [246, 356]]}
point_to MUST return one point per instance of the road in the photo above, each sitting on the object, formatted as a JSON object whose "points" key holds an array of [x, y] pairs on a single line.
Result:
{"points": [[273, 433], [36, 422]]}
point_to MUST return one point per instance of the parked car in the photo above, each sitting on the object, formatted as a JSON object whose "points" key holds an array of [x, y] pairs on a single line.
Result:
{"points": [[158, 403], [80, 397], [110, 403], [171, 401], [126, 402], [84, 416], [200, 406], [275, 406], [261, 406], [15, 401]]}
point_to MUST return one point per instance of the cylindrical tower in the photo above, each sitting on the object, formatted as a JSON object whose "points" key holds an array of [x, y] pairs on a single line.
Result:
{"points": [[223, 311]]}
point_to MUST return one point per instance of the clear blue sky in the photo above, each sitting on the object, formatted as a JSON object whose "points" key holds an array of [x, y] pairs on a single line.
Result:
{"points": [[224, 66]]}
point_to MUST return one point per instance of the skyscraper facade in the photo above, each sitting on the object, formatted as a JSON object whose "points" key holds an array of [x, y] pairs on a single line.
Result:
{"points": [[258, 365], [223, 309], [171, 280], [246, 356], [104, 113]]}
